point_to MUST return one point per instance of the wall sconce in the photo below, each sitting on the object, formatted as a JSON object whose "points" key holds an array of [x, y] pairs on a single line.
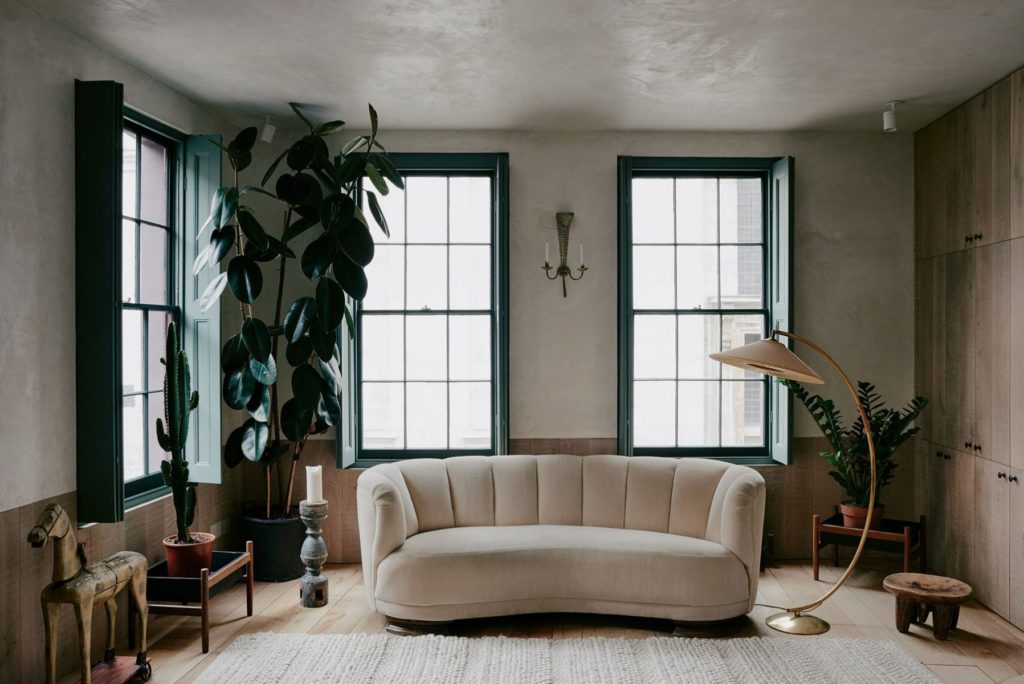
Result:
{"points": [[563, 221]]}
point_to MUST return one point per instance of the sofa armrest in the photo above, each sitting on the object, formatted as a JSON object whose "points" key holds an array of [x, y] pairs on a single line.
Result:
{"points": [[742, 522], [382, 527]]}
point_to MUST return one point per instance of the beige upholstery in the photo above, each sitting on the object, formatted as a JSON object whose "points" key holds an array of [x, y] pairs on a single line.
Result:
{"points": [[478, 536]]}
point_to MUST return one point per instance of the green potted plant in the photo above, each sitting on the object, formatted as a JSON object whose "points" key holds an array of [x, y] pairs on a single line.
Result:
{"points": [[849, 454], [187, 552], [320, 196]]}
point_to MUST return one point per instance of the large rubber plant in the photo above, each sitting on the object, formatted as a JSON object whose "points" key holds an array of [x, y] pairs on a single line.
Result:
{"points": [[320, 194]]}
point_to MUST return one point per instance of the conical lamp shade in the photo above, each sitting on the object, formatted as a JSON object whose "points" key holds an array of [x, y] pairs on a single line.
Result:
{"points": [[770, 357]]}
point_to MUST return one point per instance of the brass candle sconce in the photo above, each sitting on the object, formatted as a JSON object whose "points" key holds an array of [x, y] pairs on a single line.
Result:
{"points": [[563, 221]]}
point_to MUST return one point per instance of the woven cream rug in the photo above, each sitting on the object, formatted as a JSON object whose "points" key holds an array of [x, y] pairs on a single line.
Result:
{"points": [[255, 658]]}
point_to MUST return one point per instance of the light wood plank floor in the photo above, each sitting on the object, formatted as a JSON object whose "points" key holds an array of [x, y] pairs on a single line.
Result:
{"points": [[983, 650]]}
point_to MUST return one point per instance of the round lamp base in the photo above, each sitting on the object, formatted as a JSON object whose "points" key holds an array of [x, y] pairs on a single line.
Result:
{"points": [[797, 624]]}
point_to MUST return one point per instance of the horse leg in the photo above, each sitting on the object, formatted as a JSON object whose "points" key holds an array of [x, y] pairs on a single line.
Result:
{"points": [[110, 653], [51, 616], [83, 615], [137, 587]]}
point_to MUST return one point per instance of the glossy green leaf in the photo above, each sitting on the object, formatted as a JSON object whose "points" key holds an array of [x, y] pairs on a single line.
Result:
{"points": [[299, 190], [297, 319], [336, 211], [233, 447], [373, 121], [213, 291], [238, 387], [299, 352], [298, 113], [254, 439], [202, 259], [264, 372], [251, 228], [222, 208], [322, 340], [221, 241], [306, 386], [245, 279], [256, 338], [353, 144], [357, 243], [318, 256], [330, 303], [378, 213], [378, 181], [233, 355], [329, 409], [245, 139], [330, 372], [295, 420], [350, 276], [329, 127], [273, 167], [259, 405], [384, 163], [297, 228]]}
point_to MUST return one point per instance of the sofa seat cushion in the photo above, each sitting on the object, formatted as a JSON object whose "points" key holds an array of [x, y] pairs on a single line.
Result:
{"points": [[538, 563]]}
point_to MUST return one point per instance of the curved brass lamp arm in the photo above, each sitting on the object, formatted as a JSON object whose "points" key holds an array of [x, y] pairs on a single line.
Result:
{"points": [[871, 457]]}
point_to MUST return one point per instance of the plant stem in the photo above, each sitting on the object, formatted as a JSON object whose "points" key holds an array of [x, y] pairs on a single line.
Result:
{"points": [[267, 478]]}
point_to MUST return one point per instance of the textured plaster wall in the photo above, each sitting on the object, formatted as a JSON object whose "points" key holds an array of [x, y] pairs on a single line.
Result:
{"points": [[853, 259], [39, 63]]}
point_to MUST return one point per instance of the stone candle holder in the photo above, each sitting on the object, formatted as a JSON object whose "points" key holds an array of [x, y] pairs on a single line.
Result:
{"points": [[313, 585]]}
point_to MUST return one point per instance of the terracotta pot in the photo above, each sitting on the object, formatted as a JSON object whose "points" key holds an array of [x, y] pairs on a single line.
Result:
{"points": [[187, 560], [853, 516]]}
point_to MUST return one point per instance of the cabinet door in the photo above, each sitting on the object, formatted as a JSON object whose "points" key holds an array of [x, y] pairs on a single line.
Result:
{"points": [[930, 494], [991, 330], [930, 230], [991, 568], [929, 332], [989, 119], [959, 362], [960, 167], [1016, 568], [1017, 154], [959, 499], [1017, 353]]}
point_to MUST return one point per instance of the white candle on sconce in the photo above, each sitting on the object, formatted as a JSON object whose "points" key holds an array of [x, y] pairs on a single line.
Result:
{"points": [[314, 484], [547, 252], [581, 253]]}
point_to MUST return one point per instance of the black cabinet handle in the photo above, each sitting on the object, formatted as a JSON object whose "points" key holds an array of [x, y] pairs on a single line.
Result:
{"points": [[968, 445], [977, 447], [977, 236], [968, 238], [1013, 478], [947, 456], [1001, 475]]}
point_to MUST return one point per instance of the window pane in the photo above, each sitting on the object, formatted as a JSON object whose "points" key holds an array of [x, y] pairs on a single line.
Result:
{"points": [[654, 347], [736, 332], [427, 271], [133, 435], [427, 415], [654, 413], [469, 354], [698, 278], [470, 274], [153, 266], [426, 347], [128, 262], [154, 182], [383, 415], [652, 210], [382, 344], [156, 410], [470, 415], [156, 330], [470, 207], [427, 210], [743, 413], [131, 351], [742, 282], [698, 413], [653, 278], [393, 206], [128, 182], [386, 277], [698, 337], [741, 207], [696, 215]]}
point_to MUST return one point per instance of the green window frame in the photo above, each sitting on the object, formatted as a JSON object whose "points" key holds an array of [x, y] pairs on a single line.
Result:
{"points": [[773, 308], [351, 448], [193, 174]]}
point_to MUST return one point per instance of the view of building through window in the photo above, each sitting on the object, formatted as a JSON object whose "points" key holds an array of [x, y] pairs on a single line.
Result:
{"points": [[698, 287]]}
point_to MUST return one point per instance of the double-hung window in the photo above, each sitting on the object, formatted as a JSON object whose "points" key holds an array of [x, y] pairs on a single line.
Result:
{"points": [[430, 350], [704, 267]]}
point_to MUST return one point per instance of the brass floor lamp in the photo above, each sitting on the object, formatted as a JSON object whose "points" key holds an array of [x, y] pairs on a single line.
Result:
{"points": [[771, 357]]}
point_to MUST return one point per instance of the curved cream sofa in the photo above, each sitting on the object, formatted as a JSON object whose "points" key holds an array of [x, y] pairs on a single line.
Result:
{"points": [[479, 536]]}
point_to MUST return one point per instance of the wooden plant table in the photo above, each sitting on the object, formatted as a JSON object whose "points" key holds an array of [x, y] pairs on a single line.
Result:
{"points": [[173, 595], [893, 536], [918, 594]]}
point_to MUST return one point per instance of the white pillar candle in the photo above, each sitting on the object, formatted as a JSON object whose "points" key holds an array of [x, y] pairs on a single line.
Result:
{"points": [[547, 252], [314, 484], [581, 254]]}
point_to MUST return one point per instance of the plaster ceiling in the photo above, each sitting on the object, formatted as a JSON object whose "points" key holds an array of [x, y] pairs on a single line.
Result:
{"points": [[568, 64]]}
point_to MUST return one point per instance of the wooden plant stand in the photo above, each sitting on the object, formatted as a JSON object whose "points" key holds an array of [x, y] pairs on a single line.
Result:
{"points": [[918, 594], [893, 536], [173, 595]]}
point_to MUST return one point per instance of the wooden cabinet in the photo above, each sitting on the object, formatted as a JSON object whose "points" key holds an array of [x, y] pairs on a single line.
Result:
{"points": [[989, 422], [930, 494], [932, 235], [989, 124], [1016, 562], [957, 389], [945, 482], [929, 345], [1016, 371], [1016, 154], [990, 572]]}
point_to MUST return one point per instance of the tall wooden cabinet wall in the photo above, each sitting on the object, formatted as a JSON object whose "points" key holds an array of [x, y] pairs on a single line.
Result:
{"points": [[969, 290]]}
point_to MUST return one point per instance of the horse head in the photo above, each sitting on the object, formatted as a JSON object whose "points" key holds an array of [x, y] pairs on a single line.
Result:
{"points": [[52, 522]]}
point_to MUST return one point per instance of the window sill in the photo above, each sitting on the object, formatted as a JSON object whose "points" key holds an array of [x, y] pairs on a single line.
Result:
{"points": [[144, 498]]}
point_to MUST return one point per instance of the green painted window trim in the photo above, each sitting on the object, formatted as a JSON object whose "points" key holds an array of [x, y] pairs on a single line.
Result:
{"points": [[777, 228], [492, 164]]}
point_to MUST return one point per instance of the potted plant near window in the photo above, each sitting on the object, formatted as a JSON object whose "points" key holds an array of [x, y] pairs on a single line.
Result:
{"points": [[320, 196], [187, 552], [849, 456]]}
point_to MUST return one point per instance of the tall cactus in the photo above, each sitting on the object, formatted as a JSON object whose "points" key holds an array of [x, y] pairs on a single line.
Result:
{"points": [[179, 402]]}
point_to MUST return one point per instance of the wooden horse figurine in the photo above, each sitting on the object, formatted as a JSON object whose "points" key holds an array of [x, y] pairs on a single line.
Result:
{"points": [[83, 586]]}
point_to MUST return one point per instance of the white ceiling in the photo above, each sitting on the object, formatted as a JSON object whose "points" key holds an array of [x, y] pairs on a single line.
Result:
{"points": [[568, 64]]}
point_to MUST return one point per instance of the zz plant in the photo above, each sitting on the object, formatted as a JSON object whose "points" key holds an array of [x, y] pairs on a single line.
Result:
{"points": [[316, 194], [849, 454], [172, 433]]}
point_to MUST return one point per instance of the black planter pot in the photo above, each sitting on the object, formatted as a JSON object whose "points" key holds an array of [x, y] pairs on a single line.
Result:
{"points": [[275, 547]]}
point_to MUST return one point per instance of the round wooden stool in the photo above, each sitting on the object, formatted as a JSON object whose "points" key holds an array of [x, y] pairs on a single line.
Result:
{"points": [[918, 594]]}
